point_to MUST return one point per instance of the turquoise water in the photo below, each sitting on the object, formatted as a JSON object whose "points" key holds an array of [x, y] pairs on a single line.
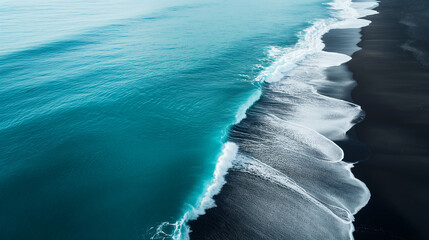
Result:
{"points": [[113, 113]]}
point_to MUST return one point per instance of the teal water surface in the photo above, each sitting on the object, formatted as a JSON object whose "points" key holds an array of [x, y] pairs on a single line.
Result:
{"points": [[113, 113]]}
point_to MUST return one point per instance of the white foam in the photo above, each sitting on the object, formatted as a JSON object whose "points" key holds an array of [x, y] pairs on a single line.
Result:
{"points": [[181, 230], [347, 15], [296, 63], [260, 169], [328, 116], [310, 44], [241, 113], [224, 162], [326, 59], [307, 61], [351, 12]]}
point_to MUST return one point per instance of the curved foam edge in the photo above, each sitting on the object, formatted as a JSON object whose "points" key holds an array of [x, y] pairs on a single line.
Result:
{"points": [[224, 163], [348, 15], [260, 169], [332, 152], [310, 43], [241, 113]]}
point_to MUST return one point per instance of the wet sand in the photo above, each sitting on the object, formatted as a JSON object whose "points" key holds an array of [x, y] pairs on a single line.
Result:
{"points": [[393, 90], [391, 145], [252, 207]]}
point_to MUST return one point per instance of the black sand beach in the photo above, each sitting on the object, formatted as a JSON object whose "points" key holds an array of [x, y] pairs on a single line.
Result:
{"points": [[391, 144], [266, 204], [393, 90]]}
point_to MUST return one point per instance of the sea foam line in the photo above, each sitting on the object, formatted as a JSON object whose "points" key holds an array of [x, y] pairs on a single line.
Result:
{"points": [[347, 15], [260, 169], [224, 163]]}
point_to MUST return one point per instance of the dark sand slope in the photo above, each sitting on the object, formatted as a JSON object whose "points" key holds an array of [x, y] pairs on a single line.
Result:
{"points": [[289, 183], [393, 90]]}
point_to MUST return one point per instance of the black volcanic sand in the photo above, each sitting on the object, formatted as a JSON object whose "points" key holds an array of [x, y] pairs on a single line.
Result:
{"points": [[393, 90], [391, 143], [251, 207]]}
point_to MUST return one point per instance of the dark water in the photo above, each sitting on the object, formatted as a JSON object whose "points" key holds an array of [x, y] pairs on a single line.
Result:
{"points": [[415, 15]]}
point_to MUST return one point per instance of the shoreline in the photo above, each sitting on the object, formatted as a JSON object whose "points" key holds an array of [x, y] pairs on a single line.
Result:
{"points": [[242, 192], [393, 90]]}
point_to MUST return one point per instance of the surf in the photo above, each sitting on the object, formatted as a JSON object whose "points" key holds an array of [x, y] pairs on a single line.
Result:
{"points": [[294, 63]]}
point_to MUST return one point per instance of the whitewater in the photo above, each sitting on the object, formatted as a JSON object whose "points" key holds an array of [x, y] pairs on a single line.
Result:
{"points": [[306, 55]]}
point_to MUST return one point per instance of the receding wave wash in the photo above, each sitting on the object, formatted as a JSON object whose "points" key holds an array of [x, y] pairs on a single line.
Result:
{"points": [[116, 116]]}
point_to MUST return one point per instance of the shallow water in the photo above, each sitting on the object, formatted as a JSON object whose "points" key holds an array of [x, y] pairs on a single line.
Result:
{"points": [[288, 179]]}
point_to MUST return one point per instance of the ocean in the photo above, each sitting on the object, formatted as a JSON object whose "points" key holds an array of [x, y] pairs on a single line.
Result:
{"points": [[116, 116]]}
